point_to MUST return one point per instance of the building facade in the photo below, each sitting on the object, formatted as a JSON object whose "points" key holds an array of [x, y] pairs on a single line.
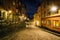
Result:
{"points": [[14, 9], [50, 14], [36, 20]]}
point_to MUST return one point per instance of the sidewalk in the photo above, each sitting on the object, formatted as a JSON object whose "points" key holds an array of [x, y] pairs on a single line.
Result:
{"points": [[50, 31]]}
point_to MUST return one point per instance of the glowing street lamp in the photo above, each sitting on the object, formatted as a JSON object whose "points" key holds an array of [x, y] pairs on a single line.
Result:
{"points": [[10, 11], [53, 8]]}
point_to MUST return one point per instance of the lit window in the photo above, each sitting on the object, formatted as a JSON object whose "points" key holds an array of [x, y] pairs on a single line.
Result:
{"points": [[49, 22], [43, 22], [13, 3], [56, 23]]}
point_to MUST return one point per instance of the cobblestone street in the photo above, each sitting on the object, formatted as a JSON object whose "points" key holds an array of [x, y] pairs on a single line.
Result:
{"points": [[29, 19], [33, 34]]}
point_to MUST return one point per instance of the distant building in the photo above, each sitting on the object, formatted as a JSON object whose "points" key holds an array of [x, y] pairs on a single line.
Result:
{"points": [[37, 20], [50, 14], [3, 15], [14, 8]]}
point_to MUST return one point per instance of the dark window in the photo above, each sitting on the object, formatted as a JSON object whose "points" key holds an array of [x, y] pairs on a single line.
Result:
{"points": [[44, 5], [44, 13], [0, 13], [48, 11], [49, 22]]}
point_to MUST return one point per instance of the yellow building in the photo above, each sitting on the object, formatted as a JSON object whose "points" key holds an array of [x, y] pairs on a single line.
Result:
{"points": [[37, 20], [3, 14], [50, 14], [15, 8]]}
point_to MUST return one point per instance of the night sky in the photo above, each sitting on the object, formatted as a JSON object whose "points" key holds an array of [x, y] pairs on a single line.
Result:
{"points": [[31, 6]]}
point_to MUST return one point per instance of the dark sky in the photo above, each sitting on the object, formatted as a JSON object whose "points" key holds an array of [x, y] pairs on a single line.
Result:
{"points": [[31, 6]]}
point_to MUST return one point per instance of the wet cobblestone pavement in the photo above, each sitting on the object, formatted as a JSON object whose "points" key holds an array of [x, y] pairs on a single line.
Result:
{"points": [[32, 34]]}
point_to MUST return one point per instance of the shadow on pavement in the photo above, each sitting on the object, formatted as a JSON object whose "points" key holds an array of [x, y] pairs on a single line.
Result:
{"points": [[10, 29]]}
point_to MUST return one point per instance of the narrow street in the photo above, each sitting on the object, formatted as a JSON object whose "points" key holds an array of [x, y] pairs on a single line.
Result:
{"points": [[29, 19], [32, 34]]}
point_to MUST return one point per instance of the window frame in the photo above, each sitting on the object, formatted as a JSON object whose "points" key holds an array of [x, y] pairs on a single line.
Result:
{"points": [[56, 23]]}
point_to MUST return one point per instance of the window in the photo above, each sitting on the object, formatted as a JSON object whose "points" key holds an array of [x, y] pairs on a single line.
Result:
{"points": [[48, 2], [49, 22], [56, 23], [43, 22], [13, 3], [49, 13], [44, 6], [0, 13], [3, 15], [44, 13]]}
